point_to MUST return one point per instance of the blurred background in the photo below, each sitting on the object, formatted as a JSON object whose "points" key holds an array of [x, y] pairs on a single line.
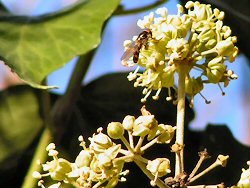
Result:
{"points": [[233, 109]]}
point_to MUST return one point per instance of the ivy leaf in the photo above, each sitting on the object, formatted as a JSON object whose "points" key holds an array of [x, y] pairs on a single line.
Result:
{"points": [[20, 121], [33, 48]]}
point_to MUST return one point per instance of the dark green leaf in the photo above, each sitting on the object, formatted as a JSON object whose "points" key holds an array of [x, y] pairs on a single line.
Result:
{"points": [[19, 120]]}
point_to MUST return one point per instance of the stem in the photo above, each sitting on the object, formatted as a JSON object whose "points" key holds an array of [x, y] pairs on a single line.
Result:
{"points": [[149, 144], [125, 142], [140, 158], [131, 139], [203, 155], [139, 144], [121, 11], [63, 108], [124, 158], [220, 161], [211, 167], [40, 154], [179, 162]]}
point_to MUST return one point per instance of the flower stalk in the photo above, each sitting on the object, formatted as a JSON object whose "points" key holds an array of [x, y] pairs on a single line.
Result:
{"points": [[179, 162], [220, 161], [40, 155]]}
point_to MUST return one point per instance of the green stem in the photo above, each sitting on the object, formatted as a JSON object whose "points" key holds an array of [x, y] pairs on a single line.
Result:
{"points": [[140, 158], [124, 158], [121, 11], [40, 154], [63, 108], [179, 163]]}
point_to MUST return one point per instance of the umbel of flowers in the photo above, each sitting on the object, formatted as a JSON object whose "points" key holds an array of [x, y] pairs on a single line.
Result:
{"points": [[101, 164], [196, 40]]}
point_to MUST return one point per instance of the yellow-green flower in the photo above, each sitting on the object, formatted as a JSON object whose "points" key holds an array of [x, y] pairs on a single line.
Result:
{"points": [[193, 40]]}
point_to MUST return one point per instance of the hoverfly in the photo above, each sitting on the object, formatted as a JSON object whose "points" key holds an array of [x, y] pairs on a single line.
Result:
{"points": [[135, 47]]}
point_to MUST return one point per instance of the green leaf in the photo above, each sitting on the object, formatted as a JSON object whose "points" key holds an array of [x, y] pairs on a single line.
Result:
{"points": [[20, 121], [35, 48]]}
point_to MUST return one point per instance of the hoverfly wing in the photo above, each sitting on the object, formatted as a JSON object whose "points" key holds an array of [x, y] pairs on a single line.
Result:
{"points": [[129, 53], [135, 47]]}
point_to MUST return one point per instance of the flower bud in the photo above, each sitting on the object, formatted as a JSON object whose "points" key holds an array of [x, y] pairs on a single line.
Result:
{"points": [[143, 124], [100, 142], [206, 36], [225, 47], [215, 70], [103, 160], [210, 44], [128, 122], [193, 85], [140, 130], [167, 79], [83, 159], [115, 130], [60, 169], [159, 166], [167, 135]]}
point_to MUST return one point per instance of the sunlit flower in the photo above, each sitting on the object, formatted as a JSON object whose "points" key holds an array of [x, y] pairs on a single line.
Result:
{"points": [[245, 178], [193, 40]]}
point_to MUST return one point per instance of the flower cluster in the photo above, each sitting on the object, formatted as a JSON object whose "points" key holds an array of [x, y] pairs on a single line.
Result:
{"points": [[196, 40], [101, 164]]}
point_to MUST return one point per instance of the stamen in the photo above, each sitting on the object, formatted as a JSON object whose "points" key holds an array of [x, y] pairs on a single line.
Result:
{"points": [[170, 97], [206, 101], [145, 91], [156, 96], [146, 96], [222, 92], [133, 75], [40, 184], [153, 182]]}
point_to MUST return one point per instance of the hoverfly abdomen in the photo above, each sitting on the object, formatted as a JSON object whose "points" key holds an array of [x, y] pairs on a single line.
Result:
{"points": [[136, 57]]}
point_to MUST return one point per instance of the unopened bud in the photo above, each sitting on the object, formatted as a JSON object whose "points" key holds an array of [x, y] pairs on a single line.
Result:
{"points": [[128, 122], [115, 130]]}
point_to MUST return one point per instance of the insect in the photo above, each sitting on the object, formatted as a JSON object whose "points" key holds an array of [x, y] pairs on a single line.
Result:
{"points": [[135, 47]]}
